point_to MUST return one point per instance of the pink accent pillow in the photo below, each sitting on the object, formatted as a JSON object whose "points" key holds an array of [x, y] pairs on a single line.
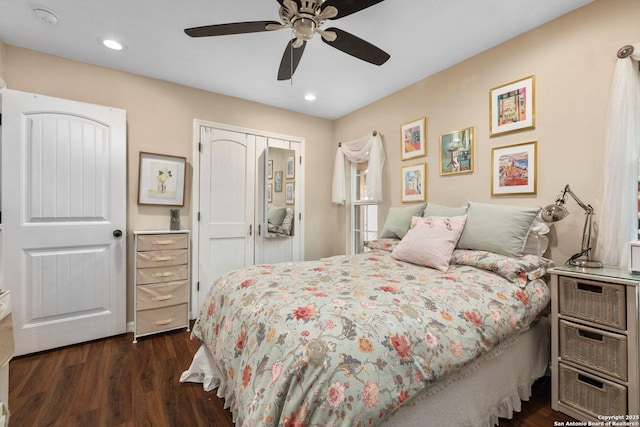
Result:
{"points": [[430, 241]]}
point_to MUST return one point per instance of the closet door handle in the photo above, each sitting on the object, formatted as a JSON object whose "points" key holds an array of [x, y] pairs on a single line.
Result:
{"points": [[250, 229]]}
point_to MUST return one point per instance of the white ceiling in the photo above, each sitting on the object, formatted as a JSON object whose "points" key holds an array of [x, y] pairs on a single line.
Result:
{"points": [[422, 37]]}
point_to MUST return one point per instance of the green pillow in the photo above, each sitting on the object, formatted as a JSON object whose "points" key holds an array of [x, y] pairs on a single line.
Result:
{"points": [[276, 215], [398, 221], [497, 228], [437, 210]]}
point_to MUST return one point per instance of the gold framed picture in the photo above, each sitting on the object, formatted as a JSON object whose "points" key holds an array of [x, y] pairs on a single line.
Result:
{"points": [[514, 169], [456, 152], [413, 139], [414, 183], [513, 106]]}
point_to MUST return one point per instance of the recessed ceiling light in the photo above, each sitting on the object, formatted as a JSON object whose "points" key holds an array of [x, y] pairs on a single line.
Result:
{"points": [[45, 15], [310, 97], [113, 44]]}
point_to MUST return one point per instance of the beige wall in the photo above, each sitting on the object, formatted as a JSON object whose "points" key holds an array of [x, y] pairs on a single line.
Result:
{"points": [[572, 59], [160, 119]]}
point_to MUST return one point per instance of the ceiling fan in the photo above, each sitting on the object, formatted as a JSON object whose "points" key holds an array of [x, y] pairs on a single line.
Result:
{"points": [[305, 18]]}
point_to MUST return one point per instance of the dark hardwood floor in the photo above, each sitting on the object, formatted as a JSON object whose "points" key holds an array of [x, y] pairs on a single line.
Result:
{"points": [[113, 382]]}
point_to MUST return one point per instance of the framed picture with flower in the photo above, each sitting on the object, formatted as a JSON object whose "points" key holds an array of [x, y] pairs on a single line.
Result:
{"points": [[161, 179], [413, 139], [414, 183]]}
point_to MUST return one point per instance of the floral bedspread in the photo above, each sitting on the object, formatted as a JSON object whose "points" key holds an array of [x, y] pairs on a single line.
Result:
{"points": [[346, 340]]}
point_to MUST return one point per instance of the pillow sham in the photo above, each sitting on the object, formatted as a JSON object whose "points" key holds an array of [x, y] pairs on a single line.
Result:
{"points": [[399, 219], [518, 271], [433, 209], [387, 244], [497, 228], [430, 241], [537, 241], [275, 215], [287, 221]]}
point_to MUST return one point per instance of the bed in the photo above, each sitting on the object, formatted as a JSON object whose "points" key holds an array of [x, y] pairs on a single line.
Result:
{"points": [[372, 339]]}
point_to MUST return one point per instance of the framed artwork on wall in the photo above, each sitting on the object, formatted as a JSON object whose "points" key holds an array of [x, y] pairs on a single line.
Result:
{"points": [[514, 169], [414, 183], [269, 192], [456, 152], [277, 182], [291, 167], [513, 106], [161, 179], [289, 193], [270, 169], [413, 139]]}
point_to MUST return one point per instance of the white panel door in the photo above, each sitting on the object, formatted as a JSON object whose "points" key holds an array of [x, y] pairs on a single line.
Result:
{"points": [[227, 176], [63, 203]]}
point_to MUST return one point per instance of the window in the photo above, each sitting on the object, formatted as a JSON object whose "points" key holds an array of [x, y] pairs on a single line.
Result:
{"points": [[364, 214]]}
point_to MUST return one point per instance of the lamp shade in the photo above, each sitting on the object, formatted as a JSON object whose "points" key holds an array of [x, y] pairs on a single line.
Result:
{"points": [[554, 212]]}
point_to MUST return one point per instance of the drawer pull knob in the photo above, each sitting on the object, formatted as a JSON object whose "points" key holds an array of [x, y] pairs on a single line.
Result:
{"points": [[164, 274], [164, 258], [163, 242], [591, 335], [590, 288], [162, 322], [162, 297], [590, 381]]}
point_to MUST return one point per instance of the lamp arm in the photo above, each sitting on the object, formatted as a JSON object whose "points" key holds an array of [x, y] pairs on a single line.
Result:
{"points": [[587, 208]]}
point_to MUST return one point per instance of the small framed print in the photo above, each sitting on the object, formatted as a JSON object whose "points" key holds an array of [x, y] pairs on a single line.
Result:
{"points": [[514, 169], [269, 192], [513, 106], [291, 167], [277, 182], [270, 169], [161, 179], [289, 193], [456, 152], [414, 183], [413, 139]]}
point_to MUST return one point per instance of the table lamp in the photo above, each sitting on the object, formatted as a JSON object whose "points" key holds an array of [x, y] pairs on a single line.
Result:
{"points": [[557, 211]]}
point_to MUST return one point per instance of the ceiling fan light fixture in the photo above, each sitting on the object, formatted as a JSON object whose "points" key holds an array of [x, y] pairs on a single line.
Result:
{"points": [[304, 28]]}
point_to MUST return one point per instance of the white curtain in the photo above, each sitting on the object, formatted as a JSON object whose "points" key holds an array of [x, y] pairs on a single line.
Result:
{"points": [[618, 224], [368, 148]]}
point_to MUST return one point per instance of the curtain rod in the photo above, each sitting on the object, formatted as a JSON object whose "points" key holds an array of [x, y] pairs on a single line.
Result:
{"points": [[374, 133]]}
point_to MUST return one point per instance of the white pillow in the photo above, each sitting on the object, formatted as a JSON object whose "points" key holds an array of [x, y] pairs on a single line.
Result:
{"points": [[537, 241], [430, 241]]}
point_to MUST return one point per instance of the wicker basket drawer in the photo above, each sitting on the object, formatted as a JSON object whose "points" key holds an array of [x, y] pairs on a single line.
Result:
{"points": [[591, 394], [161, 274], [161, 295], [161, 258], [154, 242], [597, 302], [600, 350], [161, 319]]}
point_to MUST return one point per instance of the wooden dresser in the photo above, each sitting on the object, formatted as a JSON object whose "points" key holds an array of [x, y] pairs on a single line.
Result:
{"points": [[595, 370], [162, 281]]}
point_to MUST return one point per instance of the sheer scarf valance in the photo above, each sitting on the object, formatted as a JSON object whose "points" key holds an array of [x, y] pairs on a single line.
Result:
{"points": [[368, 148], [619, 225]]}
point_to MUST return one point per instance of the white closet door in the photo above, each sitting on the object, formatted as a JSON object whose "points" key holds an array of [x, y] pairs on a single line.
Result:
{"points": [[226, 230], [63, 197]]}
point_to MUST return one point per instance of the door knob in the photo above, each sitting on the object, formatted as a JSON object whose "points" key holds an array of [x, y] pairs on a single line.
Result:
{"points": [[117, 233]]}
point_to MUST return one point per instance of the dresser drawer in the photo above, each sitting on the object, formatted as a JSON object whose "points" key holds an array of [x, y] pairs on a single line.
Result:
{"points": [[161, 319], [591, 394], [600, 350], [154, 242], [597, 302], [161, 274], [160, 295], [161, 258]]}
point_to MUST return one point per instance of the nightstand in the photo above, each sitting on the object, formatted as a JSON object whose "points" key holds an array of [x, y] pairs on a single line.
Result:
{"points": [[594, 343]]}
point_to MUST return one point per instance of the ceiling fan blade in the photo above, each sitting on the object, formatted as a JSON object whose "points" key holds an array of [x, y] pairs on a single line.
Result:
{"points": [[355, 46], [290, 60], [347, 7], [227, 29]]}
